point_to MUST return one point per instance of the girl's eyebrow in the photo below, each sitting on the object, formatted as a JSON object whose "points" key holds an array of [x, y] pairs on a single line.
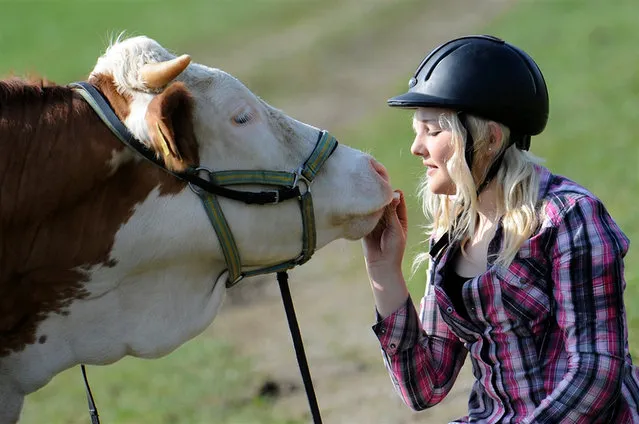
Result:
{"points": [[426, 120]]}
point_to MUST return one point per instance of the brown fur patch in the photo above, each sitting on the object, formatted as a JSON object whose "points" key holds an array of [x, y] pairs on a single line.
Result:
{"points": [[61, 205], [119, 102]]}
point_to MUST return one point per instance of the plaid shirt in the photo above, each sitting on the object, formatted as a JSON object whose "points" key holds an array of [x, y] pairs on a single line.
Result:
{"points": [[547, 336]]}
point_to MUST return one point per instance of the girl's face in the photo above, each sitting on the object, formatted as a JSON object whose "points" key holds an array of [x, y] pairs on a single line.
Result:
{"points": [[434, 145]]}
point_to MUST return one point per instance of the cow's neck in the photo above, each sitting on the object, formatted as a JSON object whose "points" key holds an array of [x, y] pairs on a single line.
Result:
{"points": [[53, 150], [65, 193]]}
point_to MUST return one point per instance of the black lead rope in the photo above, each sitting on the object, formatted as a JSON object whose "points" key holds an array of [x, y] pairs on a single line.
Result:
{"points": [[93, 411], [282, 279]]}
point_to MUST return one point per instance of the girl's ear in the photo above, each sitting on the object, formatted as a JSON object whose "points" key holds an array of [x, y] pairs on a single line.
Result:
{"points": [[496, 137]]}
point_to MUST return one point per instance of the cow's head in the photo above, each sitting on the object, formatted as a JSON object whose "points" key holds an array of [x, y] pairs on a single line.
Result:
{"points": [[191, 114]]}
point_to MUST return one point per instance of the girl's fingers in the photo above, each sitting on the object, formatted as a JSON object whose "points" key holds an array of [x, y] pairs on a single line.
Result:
{"points": [[402, 213]]}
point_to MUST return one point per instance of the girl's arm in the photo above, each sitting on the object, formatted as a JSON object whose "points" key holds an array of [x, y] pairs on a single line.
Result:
{"points": [[422, 356]]}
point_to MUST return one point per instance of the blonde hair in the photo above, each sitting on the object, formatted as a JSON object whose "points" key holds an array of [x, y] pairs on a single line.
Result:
{"points": [[516, 181]]}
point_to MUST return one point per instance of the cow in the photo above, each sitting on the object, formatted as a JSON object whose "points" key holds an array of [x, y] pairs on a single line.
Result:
{"points": [[105, 254]]}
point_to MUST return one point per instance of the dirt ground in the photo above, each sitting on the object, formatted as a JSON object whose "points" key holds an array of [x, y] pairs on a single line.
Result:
{"points": [[331, 293]]}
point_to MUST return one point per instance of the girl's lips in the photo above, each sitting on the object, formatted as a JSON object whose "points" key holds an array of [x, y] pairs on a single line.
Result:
{"points": [[431, 170]]}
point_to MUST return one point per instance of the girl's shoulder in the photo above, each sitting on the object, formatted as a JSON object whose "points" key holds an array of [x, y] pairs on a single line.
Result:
{"points": [[565, 204], [559, 194]]}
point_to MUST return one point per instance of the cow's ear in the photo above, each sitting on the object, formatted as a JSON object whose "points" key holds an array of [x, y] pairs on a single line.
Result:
{"points": [[170, 121]]}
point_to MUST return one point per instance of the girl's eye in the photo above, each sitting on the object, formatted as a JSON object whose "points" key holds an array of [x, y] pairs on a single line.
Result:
{"points": [[242, 118], [434, 133]]}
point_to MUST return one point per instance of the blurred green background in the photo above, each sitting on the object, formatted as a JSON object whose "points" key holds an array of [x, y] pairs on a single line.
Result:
{"points": [[333, 64]]}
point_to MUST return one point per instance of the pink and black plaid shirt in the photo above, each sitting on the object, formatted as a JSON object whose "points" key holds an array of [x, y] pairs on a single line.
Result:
{"points": [[547, 336]]}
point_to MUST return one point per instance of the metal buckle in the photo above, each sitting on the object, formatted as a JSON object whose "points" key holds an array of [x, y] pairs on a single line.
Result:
{"points": [[277, 197], [198, 190]]}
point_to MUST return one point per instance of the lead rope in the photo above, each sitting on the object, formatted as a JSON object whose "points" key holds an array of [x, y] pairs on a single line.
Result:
{"points": [[282, 279], [93, 411]]}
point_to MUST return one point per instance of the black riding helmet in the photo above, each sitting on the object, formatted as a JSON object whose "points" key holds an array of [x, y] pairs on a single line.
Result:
{"points": [[487, 77]]}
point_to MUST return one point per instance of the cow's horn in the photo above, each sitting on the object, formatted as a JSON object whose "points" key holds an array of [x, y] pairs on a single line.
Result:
{"points": [[157, 75]]}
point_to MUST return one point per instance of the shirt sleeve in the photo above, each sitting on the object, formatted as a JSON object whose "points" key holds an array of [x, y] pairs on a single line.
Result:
{"points": [[588, 286], [422, 358]]}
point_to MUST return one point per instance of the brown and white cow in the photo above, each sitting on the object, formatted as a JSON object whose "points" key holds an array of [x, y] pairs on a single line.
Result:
{"points": [[105, 255]]}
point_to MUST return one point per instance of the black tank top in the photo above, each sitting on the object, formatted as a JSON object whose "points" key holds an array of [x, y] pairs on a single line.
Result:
{"points": [[453, 284]]}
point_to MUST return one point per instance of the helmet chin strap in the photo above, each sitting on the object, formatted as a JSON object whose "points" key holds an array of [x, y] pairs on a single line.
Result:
{"points": [[470, 142], [469, 153], [521, 141]]}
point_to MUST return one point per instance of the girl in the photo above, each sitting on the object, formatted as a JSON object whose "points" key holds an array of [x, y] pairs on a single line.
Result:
{"points": [[526, 271]]}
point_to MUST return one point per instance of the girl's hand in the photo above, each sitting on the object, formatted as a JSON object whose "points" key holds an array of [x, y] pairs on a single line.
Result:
{"points": [[383, 251], [384, 246]]}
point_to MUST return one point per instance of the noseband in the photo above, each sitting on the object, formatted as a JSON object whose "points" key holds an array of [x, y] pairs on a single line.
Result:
{"points": [[208, 185], [300, 180]]}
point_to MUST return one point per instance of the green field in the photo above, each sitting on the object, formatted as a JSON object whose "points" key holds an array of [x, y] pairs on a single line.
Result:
{"points": [[61, 38], [586, 48]]}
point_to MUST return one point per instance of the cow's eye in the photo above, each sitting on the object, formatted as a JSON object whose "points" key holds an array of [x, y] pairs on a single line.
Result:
{"points": [[242, 118]]}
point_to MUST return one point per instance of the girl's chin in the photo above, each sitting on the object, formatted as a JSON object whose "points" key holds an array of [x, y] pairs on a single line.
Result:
{"points": [[441, 188]]}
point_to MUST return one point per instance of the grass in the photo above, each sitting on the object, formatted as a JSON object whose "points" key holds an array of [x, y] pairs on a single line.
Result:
{"points": [[343, 43], [62, 37], [212, 380], [586, 49]]}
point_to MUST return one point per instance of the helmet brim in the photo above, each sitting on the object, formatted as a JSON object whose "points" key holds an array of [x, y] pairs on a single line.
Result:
{"points": [[413, 100]]}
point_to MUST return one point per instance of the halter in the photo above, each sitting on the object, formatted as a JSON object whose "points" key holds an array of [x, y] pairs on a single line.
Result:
{"points": [[286, 186], [214, 184]]}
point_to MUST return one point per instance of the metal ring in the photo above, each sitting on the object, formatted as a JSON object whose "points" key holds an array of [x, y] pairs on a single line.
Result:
{"points": [[194, 188], [300, 177]]}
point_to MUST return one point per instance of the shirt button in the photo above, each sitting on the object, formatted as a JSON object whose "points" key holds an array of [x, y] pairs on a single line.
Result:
{"points": [[382, 330], [449, 309], [393, 345]]}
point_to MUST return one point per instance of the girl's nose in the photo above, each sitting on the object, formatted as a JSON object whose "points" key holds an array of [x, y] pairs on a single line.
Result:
{"points": [[417, 148]]}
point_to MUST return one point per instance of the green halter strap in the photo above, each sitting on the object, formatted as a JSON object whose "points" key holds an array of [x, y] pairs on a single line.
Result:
{"points": [[304, 175]]}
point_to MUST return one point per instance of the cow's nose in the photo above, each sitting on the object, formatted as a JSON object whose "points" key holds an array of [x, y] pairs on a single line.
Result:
{"points": [[379, 168]]}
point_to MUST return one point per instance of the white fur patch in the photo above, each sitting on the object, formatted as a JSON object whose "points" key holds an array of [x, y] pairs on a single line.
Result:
{"points": [[136, 121], [119, 158]]}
